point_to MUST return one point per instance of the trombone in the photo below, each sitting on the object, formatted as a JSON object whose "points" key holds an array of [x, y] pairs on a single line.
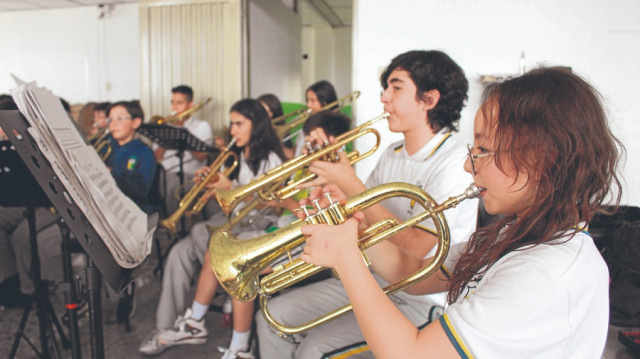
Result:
{"points": [[228, 199], [191, 196], [282, 118], [304, 114], [174, 118], [238, 263]]}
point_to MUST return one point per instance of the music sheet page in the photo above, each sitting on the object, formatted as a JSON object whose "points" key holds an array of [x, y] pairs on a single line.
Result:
{"points": [[125, 229]]}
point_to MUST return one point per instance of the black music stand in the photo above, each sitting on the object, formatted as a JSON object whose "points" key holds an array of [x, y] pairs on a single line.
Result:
{"points": [[99, 261], [14, 174], [179, 139]]}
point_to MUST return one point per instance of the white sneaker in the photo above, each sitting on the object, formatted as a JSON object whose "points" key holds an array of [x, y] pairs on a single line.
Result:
{"points": [[151, 345], [186, 330], [233, 354]]}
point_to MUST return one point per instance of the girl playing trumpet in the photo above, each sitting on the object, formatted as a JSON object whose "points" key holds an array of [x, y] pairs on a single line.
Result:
{"points": [[531, 284]]}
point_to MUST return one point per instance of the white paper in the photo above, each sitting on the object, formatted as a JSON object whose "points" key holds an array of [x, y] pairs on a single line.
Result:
{"points": [[124, 228]]}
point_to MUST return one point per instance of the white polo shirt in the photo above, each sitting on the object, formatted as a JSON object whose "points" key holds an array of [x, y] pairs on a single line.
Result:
{"points": [[200, 129], [546, 301], [438, 169]]}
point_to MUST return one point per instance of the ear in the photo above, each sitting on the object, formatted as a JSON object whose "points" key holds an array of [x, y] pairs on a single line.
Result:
{"points": [[137, 122], [431, 99]]}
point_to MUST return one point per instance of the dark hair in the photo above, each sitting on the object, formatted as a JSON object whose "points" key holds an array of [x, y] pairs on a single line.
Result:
{"points": [[549, 123], [185, 90], [133, 108], [324, 91], [434, 70], [333, 123], [264, 139], [7, 103], [273, 103], [102, 106]]}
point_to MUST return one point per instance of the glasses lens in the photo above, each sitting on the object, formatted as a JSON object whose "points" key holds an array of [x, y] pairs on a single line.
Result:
{"points": [[473, 164]]}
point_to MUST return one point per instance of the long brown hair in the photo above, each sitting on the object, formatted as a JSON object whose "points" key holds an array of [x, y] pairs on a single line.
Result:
{"points": [[550, 125]]}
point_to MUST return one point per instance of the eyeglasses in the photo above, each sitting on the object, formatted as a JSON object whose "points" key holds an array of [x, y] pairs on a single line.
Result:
{"points": [[473, 158], [118, 119]]}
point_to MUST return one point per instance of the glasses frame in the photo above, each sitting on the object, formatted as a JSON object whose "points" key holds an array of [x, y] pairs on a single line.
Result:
{"points": [[473, 158], [118, 119]]}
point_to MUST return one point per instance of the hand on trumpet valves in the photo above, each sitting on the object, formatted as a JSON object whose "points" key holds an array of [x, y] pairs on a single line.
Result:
{"points": [[333, 246], [339, 172], [320, 197], [318, 138], [201, 173]]}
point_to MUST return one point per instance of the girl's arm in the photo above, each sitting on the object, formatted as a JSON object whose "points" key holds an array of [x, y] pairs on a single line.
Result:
{"points": [[387, 331]]}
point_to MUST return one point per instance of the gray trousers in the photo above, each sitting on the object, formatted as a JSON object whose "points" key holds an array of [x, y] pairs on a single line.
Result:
{"points": [[49, 242], [184, 262], [10, 217], [301, 305]]}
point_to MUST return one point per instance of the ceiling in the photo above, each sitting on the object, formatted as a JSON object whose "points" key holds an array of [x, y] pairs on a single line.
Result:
{"points": [[337, 12], [22, 5]]}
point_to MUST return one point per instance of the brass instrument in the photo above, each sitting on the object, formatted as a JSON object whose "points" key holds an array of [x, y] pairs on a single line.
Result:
{"points": [[174, 118], [191, 196], [100, 141], [228, 199], [282, 118], [238, 216], [336, 105], [237, 263]]}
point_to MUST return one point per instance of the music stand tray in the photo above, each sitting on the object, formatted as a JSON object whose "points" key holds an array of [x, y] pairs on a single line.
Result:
{"points": [[174, 138]]}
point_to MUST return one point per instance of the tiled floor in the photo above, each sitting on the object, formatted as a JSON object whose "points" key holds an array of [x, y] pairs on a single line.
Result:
{"points": [[120, 345]]}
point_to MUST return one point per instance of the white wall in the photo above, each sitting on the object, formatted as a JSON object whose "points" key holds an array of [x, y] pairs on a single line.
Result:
{"points": [[274, 50], [599, 40], [329, 51], [71, 52]]}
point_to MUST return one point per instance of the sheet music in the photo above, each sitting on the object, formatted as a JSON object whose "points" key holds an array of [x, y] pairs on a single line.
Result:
{"points": [[124, 228]]}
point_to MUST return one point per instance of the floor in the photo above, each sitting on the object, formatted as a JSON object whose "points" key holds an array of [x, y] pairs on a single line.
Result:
{"points": [[119, 344]]}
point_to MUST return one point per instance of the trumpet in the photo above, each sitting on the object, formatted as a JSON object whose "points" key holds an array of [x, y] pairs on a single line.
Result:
{"points": [[100, 141], [336, 105], [191, 196], [174, 118], [228, 199], [237, 263]]}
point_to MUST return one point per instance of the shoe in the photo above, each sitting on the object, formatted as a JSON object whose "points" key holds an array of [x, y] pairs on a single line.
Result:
{"points": [[186, 330], [234, 354], [152, 345]]}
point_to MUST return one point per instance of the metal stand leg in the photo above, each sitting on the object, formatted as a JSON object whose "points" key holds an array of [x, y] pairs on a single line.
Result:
{"points": [[94, 285], [46, 314], [70, 296]]}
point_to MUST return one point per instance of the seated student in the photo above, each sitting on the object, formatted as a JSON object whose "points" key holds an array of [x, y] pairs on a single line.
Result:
{"points": [[85, 119], [100, 117], [259, 149], [131, 162], [532, 284], [424, 92], [132, 166], [10, 217], [181, 101], [273, 106], [333, 124], [318, 95]]}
